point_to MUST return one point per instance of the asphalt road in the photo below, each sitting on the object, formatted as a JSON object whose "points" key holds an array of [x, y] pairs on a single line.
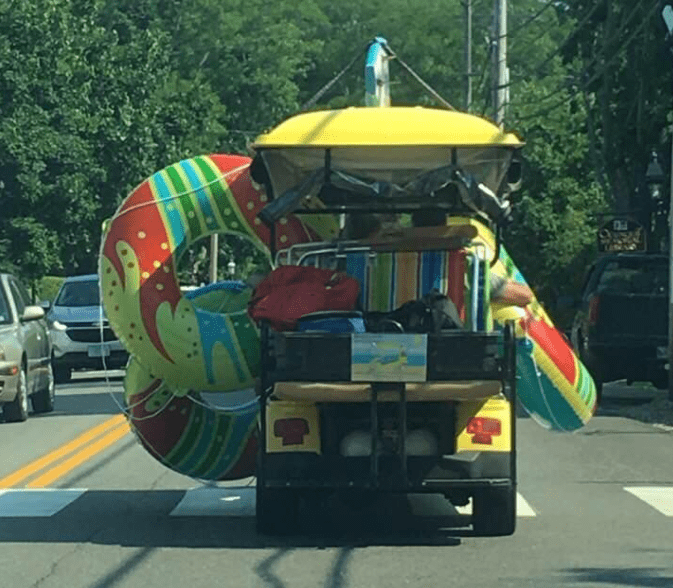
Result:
{"points": [[595, 510]]}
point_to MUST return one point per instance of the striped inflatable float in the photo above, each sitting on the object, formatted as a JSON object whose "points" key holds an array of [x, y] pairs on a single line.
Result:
{"points": [[182, 346], [552, 383]]}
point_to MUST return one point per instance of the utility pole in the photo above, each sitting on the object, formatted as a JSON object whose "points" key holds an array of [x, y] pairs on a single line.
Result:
{"points": [[467, 4], [667, 15], [214, 250], [500, 90]]}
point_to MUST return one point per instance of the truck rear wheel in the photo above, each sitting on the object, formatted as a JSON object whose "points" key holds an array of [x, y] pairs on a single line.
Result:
{"points": [[277, 511], [494, 511], [660, 381]]}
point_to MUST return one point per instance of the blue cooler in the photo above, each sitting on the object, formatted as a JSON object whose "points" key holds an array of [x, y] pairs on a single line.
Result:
{"points": [[333, 321]]}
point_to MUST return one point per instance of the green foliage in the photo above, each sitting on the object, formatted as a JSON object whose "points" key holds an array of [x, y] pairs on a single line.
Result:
{"points": [[556, 213], [194, 266], [97, 95], [253, 53], [86, 116], [47, 288], [620, 62]]}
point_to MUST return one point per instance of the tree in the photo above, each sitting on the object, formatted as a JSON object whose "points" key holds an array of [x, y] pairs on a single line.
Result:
{"points": [[90, 108], [618, 50], [254, 56]]}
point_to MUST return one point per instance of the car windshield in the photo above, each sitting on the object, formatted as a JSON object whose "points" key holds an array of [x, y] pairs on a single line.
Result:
{"points": [[635, 277], [78, 294], [4, 309]]}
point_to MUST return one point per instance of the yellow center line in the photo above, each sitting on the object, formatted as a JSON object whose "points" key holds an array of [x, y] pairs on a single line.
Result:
{"points": [[37, 465], [80, 457]]}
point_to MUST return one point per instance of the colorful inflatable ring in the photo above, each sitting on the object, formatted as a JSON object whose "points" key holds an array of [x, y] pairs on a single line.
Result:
{"points": [[552, 383], [184, 432], [190, 347]]}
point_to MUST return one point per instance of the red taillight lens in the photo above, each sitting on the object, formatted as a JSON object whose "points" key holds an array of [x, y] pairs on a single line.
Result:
{"points": [[291, 430], [593, 310], [485, 425], [483, 429]]}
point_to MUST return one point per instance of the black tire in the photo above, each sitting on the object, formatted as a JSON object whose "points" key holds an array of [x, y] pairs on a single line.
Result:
{"points": [[599, 391], [17, 410], [277, 511], [43, 399], [62, 374], [494, 511], [661, 381]]}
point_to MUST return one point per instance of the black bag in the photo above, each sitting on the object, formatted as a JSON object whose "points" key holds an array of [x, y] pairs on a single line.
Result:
{"points": [[430, 314], [444, 312]]}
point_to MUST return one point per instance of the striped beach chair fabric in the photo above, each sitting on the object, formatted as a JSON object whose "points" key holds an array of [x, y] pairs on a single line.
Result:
{"points": [[389, 280]]}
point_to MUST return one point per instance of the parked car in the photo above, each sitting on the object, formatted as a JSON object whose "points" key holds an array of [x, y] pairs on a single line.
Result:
{"points": [[25, 353], [621, 328], [80, 332]]}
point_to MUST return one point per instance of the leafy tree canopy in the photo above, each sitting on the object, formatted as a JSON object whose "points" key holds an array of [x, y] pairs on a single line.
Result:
{"points": [[97, 95]]}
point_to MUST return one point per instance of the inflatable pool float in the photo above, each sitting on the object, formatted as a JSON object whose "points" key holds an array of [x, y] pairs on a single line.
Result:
{"points": [[175, 340], [553, 385], [184, 345]]}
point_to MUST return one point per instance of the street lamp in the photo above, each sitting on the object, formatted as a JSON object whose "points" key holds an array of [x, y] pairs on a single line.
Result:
{"points": [[231, 268], [654, 178]]}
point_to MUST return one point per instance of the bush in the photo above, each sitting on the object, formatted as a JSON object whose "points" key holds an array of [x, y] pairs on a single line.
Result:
{"points": [[47, 288]]}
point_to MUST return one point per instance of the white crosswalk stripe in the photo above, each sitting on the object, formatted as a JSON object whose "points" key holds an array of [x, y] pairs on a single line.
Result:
{"points": [[658, 497], [434, 504], [523, 509], [36, 503], [216, 502], [232, 501]]}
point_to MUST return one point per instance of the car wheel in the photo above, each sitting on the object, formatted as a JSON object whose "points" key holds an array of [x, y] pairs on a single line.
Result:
{"points": [[62, 374], [494, 511], [43, 399], [17, 410]]}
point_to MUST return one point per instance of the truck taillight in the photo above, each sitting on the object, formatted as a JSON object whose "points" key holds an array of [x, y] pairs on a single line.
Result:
{"points": [[593, 310], [484, 429]]}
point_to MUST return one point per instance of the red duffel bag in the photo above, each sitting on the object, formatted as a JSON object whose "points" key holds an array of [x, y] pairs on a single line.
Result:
{"points": [[289, 292]]}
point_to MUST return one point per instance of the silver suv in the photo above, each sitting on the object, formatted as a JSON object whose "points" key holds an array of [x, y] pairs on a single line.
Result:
{"points": [[80, 332]]}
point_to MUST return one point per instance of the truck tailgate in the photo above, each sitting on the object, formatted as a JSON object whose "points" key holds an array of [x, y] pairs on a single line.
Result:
{"points": [[640, 316]]}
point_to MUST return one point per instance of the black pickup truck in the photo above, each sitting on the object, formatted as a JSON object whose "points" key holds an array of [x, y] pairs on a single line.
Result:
{"points": [[621, 328]]}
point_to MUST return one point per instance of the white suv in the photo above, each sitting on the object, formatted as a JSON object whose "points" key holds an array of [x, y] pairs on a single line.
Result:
{"points": [[75, 320]]}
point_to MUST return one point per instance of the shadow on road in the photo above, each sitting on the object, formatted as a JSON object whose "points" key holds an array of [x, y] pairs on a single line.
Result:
{"points": [[72, 403], [141, 519], [633, 577]]}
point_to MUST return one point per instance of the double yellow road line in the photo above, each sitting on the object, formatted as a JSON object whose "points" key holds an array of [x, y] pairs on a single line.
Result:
{"points": [[66, 458]]}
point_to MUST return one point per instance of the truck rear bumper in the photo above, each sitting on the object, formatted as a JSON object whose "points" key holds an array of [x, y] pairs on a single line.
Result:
{"points": [[423, 474], [627, 360]]}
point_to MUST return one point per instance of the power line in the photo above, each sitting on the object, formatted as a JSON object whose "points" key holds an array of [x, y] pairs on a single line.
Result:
{"points": [[512, 32], [600, 55], [598, 74], [571, 35], [539, 67], [489, 55]]}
